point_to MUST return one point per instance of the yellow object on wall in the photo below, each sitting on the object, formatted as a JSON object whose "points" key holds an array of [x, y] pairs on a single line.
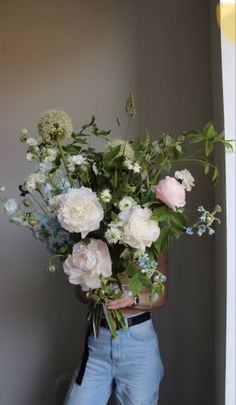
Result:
{"points": [[225, 14]]}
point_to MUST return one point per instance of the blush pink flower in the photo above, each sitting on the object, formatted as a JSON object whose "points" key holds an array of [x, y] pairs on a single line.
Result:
{"points": [[87, 262], [171, 192]]}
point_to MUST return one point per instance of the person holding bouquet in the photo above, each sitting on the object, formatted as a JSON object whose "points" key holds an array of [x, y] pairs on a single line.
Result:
{"points": [[132, 360]]}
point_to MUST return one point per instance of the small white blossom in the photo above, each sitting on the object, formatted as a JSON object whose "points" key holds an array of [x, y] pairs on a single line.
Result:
{"points": [[54, 202], [32, 142], [76, 160], [126, 203], [186, 177], [113, 235], [128, 164], [49, 155], [106, 195], [2, 189], [29, 156], [33, 180], [136, 168]]}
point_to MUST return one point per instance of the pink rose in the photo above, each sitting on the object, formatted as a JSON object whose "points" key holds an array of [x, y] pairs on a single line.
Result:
{"points": [[171, 192], [87, 262]]}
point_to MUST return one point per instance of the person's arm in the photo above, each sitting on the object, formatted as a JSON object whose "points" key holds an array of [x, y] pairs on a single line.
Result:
{"points": [[145, 303]]}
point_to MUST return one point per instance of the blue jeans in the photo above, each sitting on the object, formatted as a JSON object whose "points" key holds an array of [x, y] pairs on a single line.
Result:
{"points": [[132, 360]]}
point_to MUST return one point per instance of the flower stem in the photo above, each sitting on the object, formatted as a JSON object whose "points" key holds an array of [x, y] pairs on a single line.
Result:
{"points": [[64, 161]]}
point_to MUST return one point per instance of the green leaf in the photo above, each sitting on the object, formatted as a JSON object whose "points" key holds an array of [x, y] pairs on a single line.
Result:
{"points": [[206, 167], [161, 213], [216, 174], [165, 239], [137, 282], [130, 270], [208, 148], [197, 138], [179, 219], [209, 130]]}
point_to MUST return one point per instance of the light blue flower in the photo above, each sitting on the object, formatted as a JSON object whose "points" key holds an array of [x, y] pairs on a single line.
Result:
{"points": [[47, 190], [45, 166], [211, 231], [144, 261], [19, 218], [10, 206], [64, 185], [201, 229], [189, 230]]}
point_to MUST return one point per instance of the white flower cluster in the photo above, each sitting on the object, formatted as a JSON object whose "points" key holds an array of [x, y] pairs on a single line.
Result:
{"points": [[34, 180], [76, 160], [186, 177], [54, 124], [132, 165]]}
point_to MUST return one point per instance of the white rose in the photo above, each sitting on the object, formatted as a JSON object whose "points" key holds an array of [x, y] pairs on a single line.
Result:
{"points": [[186, 177], [139, 230], [126, 203], [80, 211], [87, 262]]}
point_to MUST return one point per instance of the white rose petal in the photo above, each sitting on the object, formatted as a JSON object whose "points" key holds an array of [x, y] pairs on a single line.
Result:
{"points": [[139, 230], [80, 211], [87, 263]]}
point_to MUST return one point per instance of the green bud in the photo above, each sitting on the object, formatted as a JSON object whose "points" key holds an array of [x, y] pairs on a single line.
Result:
{"points": [[27, 202], [51, 268], [2, 189]]}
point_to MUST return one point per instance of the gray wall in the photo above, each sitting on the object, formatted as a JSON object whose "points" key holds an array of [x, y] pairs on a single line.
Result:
{"points": [[84, 57]]}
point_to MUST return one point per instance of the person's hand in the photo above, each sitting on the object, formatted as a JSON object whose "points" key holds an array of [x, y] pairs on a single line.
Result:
{"points": [[123, 302]]}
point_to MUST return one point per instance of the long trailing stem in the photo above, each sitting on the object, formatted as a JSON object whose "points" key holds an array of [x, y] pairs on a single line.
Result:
{"points": [[64, 161], [38, 203]]}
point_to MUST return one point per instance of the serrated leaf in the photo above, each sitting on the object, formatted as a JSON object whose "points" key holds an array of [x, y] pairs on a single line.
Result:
{"points": [[179, 219], [161, 213]]}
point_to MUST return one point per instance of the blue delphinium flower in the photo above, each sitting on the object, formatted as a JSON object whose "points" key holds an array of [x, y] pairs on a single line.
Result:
{"points": [[189, 230], [144, 261], [201, 229], [211, 231], [45, 166], [64, 185]]}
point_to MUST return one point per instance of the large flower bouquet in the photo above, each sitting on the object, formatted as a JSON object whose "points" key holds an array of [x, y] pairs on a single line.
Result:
{"points": [[112, 212]]}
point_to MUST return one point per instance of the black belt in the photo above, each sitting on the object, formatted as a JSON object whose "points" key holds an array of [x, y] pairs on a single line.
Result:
{"points": [[134, 320]]}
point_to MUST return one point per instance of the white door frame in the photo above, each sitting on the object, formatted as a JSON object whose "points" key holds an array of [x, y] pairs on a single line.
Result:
{"points": [[228, 74]]}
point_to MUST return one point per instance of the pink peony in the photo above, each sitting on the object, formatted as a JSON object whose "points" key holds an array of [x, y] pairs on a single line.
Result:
{"points": [[171, 192], [87, 262]]}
